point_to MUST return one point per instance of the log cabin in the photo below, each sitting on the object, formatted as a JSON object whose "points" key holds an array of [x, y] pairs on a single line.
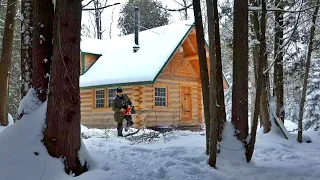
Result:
{"points": [[161, 77]]}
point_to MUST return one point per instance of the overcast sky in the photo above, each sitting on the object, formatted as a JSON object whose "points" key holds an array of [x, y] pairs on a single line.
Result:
{"points": [[107, 14]]}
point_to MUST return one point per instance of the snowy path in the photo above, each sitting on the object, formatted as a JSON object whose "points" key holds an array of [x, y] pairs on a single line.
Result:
{"points": [[183, 158]]}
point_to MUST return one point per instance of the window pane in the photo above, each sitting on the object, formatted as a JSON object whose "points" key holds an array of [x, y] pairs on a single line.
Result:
{"points": [[160, 97], [111, 95], [100, 99]]}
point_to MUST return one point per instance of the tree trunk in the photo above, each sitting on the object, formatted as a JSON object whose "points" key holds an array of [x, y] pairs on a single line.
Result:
{"points": [[254, 78], [97, 19], [255, 26], [306, 75], [240, 70], [278, 57], [214, 122], [221, 110], [5, 61], [264, 111], [26, 46], [186, 17], [203, 68], [42, 46], [255, 119], [62, 135], [258, 81]]}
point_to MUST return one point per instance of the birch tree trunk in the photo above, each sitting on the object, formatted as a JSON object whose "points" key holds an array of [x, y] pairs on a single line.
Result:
{"points": [[5, 61], [26, 46], [62, 135], [203, 68], [42, 46], [240, 70], [306, 75]]}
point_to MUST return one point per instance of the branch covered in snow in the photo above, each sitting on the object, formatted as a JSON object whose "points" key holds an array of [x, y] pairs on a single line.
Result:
{"points": [[253, 8]]}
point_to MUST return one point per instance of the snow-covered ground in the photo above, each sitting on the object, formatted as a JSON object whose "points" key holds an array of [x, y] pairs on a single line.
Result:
{"points": [[178, 155]]}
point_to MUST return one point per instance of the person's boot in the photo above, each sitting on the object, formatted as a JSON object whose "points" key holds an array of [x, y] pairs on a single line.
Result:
{"points": [[119, 131]]}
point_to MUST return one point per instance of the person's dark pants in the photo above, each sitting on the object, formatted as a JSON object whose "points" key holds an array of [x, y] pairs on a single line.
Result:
{"points": [[120, 124]]}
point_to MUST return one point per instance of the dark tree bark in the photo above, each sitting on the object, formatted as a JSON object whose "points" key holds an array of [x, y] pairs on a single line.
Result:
{"points": [[5, 61], [306, 75], [26, 46], [265, 90], [203, 68], [278, 56], [97, 19], [221, 110], [240, 70], [213, 87], [186, 16], [258, 77], [62, 135], [257, 27], [255, 119], [42, 46]]}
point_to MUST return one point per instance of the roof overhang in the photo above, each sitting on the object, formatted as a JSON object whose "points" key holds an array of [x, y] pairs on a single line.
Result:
{"points": [[144, 82]]}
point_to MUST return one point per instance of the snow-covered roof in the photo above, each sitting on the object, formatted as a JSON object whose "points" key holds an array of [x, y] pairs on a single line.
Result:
{"points": [[119, 65], [94, 46]]}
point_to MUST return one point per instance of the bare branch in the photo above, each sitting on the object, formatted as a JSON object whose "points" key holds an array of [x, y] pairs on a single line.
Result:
{"points": [[110, 30], [181, 9], [87, 4], [178, 2], [92, 9]]}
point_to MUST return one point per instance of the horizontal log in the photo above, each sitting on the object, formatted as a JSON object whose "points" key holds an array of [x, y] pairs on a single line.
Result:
{"points": [[98, 113], [96, 118], [165, 81], [85, 91], [85, 101], [85, 111], [85, 105], [102, 110]]}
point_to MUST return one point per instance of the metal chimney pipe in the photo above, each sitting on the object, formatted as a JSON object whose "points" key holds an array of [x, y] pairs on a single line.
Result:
{"points": [[136, 28]]}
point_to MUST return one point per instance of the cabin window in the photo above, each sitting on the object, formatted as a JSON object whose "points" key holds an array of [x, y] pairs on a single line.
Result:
{"points": [[111, 95], [160, 96], [100, 99]]}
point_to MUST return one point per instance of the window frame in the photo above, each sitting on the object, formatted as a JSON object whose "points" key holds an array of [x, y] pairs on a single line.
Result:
{"points": [[165, 96], [108, 98], [95, 98]]}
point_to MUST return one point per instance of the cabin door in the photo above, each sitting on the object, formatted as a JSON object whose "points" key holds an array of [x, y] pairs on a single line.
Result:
{"points": [[186, 105]]}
